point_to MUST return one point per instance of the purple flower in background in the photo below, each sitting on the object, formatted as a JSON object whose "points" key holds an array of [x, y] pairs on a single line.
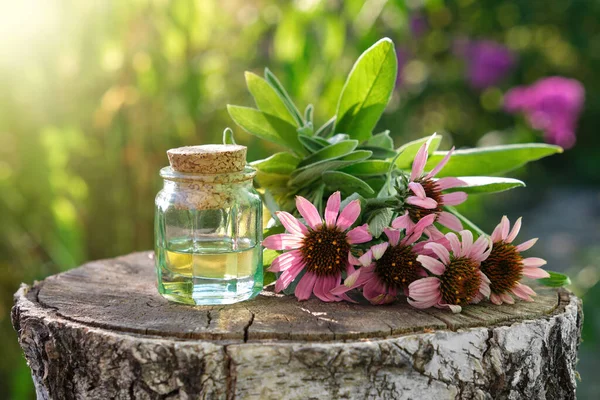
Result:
{"points": [[402, 57], [551, 105], [488, 62], [418, 25]]}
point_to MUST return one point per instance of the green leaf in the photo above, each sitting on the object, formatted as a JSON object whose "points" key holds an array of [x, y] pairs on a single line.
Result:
{"points": [[409, 150], [303, 176], [337, 138], [491, 160], [379, 220], [285, 97], [367, 90], [308, 114], [555, 280], [272, 181], [368, 168], [486, 184], [266, 127], [279, 163], [266, 98], [332, 151], [313, 143], [228, 136], [327, 128], [380, 153], [336, 180], [383, 140]]}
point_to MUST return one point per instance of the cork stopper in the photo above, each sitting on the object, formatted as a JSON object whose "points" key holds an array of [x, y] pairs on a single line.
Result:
{"points": [[208, 158]]}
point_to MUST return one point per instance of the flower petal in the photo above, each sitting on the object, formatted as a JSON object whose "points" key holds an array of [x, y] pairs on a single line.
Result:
{"points": [[358, 235], [496, 299], [535, 273], [291, 223], [441, 164], [439, 251], [379, 249], [422, 304], [505, 226], [434, 266], [393, 235], [467, 242], [333, 209], [353, 260], [305, 286], [417, 189], [497, 233], [455, 245], [309, 212], [526, 245], [453, 307], [288, 276], [534, 262], [366, 259], [403, 222], [507, 298], [283, 241], [419, 162], [453, 199], [449, 183], [449, 220], [427, 202], [479, 246], [349, 215], [515, 231], [325, 285], [285, 261]]}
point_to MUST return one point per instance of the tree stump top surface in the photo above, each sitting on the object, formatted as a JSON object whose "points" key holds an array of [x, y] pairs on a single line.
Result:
{"points": [[120, 295]]}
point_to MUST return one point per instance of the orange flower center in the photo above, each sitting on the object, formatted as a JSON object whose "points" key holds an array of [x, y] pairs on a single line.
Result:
{"points": [[398, 267], [504, 267], [460, 282], [325, 251], [432, 190]]}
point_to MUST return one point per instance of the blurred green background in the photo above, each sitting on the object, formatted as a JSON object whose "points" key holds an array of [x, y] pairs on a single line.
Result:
{"points": [[92, 94]]}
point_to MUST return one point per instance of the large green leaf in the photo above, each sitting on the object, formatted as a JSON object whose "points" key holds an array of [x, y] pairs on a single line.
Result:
{"points": [[379, 220], [336, 180], [367, 90], [491, 160], [266, 127], [556, 279], [327, 128], [277, 183], [285, 97], [266, 98], [332, 151], [382, 139], [310, 173], [313, 143], [409, 150], [368, 168], [279, 163], [486, 184], [380, 153]]}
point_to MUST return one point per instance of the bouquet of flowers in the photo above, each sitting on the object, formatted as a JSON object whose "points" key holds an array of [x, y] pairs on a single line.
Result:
{"points": [[351, 213]]}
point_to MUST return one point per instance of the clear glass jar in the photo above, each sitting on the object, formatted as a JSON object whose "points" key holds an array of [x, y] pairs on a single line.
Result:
{"points": [[208, 227]]}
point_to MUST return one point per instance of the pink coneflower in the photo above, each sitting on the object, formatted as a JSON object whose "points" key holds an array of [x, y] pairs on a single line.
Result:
{"points": [[321, 249], [458, 279], [427, 193], [505, 267], [388, 267]]}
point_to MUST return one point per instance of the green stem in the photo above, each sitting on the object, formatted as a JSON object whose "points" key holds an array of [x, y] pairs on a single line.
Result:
{"points": [[465, 220]]}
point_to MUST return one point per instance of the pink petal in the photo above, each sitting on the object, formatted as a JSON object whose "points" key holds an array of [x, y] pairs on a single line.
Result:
{"points": [[430, 302], [353, 260], [393, 236], [292, 224], [534, 262], [526, 245], [323, 287], [526, 289], [403, 222], [435, 266], [520, 292], [333, 209], [379, 249], [441, 164], [424, 288], [358, 235], [453, 307], [349, 215], [507, 298], [283, 241], [419, 162], [484, 289], [285, 261], [535, 273], [467, 242], [479, 246], [505, 227], [418, 229], [449, 183], [417, 189], [373, 288], [351, 279], [454, 243], [366, 259], [439, 251], [453, 199], [288, 276], [450, 221], [309, 212], [497, 233], [305, 286], [427, 202], [514, 232], [496, 299]]}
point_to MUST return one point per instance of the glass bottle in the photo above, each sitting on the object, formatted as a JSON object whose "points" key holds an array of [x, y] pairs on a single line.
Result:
{"points": [[208, 227]]}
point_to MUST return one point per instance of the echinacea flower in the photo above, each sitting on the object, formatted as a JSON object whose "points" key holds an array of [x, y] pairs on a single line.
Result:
{"points": [[427, 194], [388, 267], [505, 267], [321, 249], [457, 278], [488, 62]]}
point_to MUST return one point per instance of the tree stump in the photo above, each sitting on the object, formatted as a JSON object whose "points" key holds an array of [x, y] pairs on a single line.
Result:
{"points": [[102, 331]]}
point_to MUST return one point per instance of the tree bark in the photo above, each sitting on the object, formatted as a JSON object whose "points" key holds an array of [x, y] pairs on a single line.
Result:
{"points": [[102, 331]]}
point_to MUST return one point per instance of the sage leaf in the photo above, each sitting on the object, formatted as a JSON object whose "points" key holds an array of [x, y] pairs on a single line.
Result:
{"points": [[408, 151], [279, 163], [306, 175], [285, 97], [308, 114], [382, 139], [368, 168], [491, 160], [330, 152], [266, 98], [556, 279], [327, 128], [379, 220], [313, 143], [367, 90], [336, 180], [486, 184], [380, 153]]}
